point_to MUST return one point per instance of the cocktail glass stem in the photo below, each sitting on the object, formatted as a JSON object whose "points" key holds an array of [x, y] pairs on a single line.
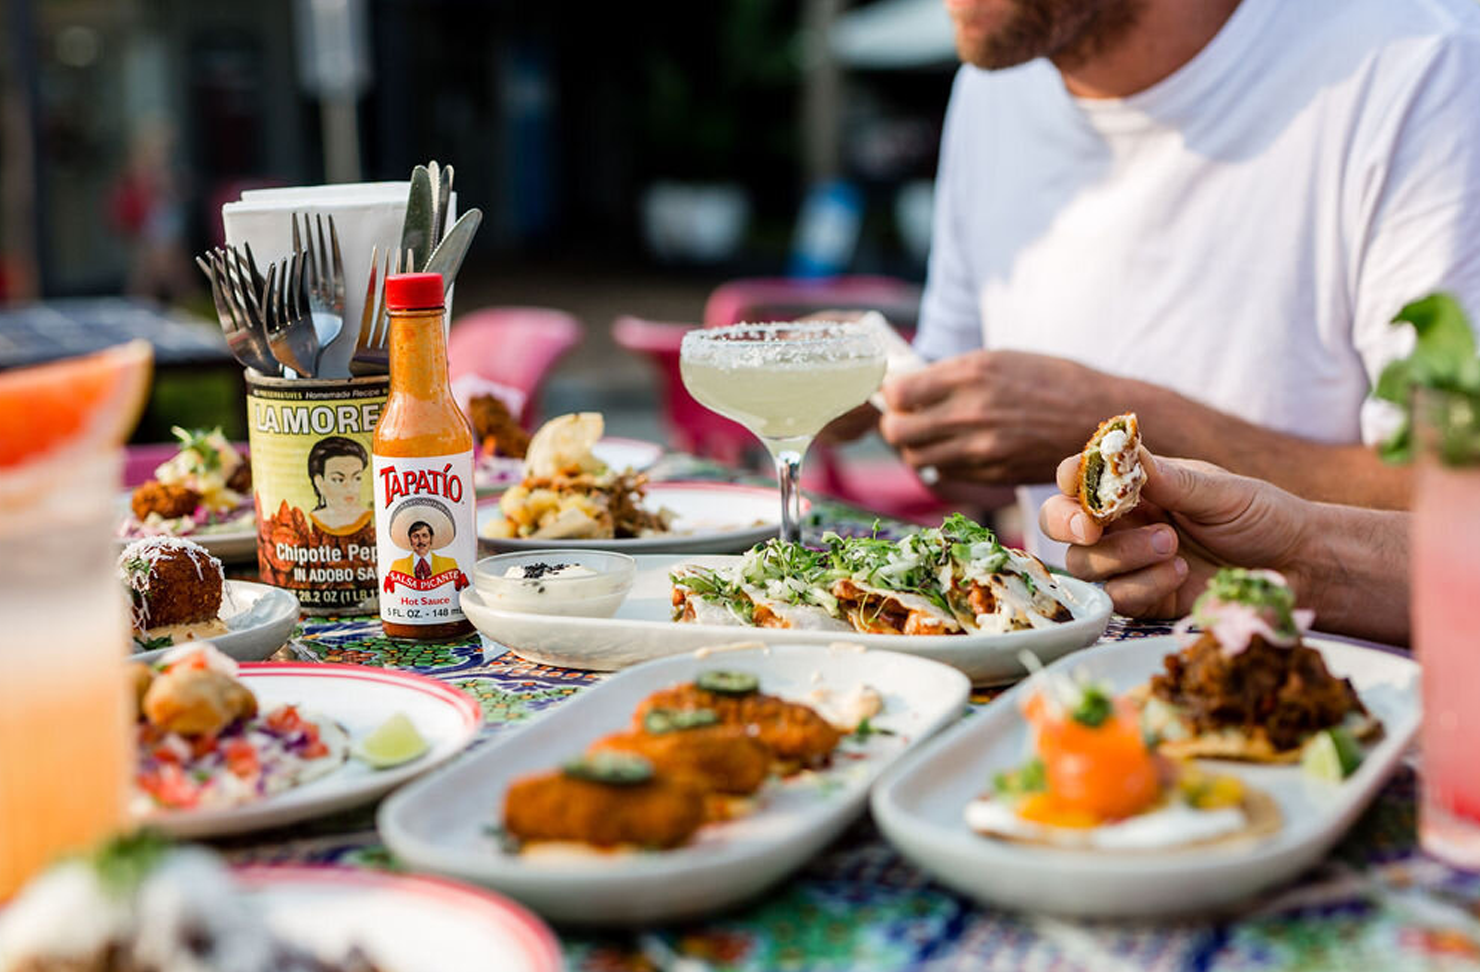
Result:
{"points": [[789, 475]]}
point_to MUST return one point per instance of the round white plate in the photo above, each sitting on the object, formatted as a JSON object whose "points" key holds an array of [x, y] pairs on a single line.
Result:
{"points": [[234, 541], [642, 629], [498, 473], [403, 923], [708, 518], [918, 806], [442, 823], [359, 698], [259, 620]]}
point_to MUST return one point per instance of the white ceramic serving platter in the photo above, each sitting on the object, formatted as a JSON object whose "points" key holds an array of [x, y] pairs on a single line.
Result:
{"points": [[642, 630], [500, 472], [442, 823], [359, 699], [919, 805], [405, 923], [708, 518], [259, 620], [232, 541]]}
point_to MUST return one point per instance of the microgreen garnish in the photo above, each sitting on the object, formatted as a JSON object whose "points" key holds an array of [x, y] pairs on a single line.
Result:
{"points": [[866, 729], [1095, 706], [1031, 777], [1261, 589]]}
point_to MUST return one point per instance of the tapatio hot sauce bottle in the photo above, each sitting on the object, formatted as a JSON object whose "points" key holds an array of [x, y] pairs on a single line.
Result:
{"points": [[426, 539]]}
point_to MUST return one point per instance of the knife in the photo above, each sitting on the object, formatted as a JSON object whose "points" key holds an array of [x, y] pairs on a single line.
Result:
{"points": [[416, 231], [447, 258]]}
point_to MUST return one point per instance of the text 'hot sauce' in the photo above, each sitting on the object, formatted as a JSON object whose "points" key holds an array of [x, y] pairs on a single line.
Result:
{"points": [[426, 542]]}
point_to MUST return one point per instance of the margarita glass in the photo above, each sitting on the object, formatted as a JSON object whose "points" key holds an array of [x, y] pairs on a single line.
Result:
{"points": [[783, 382], [1446, 589]]}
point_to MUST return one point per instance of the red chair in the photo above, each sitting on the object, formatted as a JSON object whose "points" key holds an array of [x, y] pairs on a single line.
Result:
{"points": [[782, 298], [691, 427], [514, 346]]}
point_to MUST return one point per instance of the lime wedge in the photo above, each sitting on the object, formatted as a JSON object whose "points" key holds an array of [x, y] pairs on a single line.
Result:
{"points": [[1331, 755], [394, 741]]}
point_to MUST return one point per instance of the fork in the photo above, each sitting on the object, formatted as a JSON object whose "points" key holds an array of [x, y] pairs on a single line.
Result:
{"points": [[290, 330], [324, 270], [371, 357], [247, 345]]}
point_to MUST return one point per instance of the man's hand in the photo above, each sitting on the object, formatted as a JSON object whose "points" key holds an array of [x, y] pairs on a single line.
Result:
{"points": [[1193, 518], [997, 417]]}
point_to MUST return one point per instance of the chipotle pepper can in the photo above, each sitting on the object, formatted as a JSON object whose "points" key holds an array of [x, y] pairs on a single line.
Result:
{"points": [[311, 474]]}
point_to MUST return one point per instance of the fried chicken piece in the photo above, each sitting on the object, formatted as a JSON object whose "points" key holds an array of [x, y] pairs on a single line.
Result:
{"points": [[496, 429], [794, 732], [661, 812], [197, 701], [172, 581], [720, 758], [168, 501]]}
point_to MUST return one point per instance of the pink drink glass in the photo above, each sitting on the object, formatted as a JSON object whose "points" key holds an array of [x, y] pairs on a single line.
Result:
{"points": [[1446, 633]]}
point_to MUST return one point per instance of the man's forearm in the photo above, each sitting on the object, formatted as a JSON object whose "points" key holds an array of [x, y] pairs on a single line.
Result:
{"points": [[1352, 570], [1175, 425]]}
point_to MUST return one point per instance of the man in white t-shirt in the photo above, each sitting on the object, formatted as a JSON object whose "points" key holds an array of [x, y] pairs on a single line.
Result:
{"points": [[1205, 212]]}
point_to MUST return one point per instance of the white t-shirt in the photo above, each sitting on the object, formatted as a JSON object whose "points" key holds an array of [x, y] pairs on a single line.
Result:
{"points": [[1241, 232]]}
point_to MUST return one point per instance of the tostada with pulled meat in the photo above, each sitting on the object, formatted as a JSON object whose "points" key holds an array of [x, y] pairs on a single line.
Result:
{"points": [[1246, 687]]}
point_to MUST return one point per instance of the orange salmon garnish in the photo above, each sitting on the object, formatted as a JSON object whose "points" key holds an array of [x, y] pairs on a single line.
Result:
{"points": [[1102, 772]]}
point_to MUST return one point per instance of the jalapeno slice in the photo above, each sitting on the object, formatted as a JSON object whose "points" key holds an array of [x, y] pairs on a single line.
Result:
{"points": [[611, 768], [723, 682], [661, 721]]}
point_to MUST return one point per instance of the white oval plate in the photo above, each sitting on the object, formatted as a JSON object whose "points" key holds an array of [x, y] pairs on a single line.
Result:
{"points": [[498, 473], [642, 630], [359, 698], [442, 823], [235, 541], [708, 518], [259, 620], [919, 805], [405, 923]]}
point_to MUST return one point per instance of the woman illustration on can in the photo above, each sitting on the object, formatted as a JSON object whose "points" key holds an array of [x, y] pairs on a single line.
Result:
{"points": [[336, 468]]}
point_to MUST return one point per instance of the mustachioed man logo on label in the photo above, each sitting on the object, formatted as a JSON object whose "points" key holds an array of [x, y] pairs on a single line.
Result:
{"points": [[422, 527]]}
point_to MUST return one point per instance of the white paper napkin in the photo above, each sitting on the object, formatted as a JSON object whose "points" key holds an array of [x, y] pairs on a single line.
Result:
{"points": [[366, 216]]}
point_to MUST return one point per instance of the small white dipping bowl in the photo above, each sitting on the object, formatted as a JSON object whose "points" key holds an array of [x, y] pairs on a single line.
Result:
{"points": [[595, 595]]}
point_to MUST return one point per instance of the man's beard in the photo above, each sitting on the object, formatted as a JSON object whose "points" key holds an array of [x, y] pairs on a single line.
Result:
{"points": [[1069, 31]]}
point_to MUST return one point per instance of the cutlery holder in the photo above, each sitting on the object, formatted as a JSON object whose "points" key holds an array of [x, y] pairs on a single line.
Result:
{"points": [[310, 441]]}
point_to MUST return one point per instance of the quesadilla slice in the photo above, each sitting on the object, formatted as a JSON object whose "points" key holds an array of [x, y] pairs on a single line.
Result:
{"points": [[1110, 470], [995, 589], [704, 595], [874, 610]]}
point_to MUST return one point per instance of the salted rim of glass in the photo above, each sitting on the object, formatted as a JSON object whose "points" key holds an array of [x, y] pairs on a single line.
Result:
{"points": [[816, 340]]}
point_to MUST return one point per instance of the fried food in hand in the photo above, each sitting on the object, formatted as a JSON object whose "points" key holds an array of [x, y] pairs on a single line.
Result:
{"points": [[719, 758], [794, 732], [661, 812], [166, 500], [197, 701]]}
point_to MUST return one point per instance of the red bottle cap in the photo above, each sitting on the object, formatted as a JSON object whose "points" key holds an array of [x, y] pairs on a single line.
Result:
{"points": [[413, 291]]}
